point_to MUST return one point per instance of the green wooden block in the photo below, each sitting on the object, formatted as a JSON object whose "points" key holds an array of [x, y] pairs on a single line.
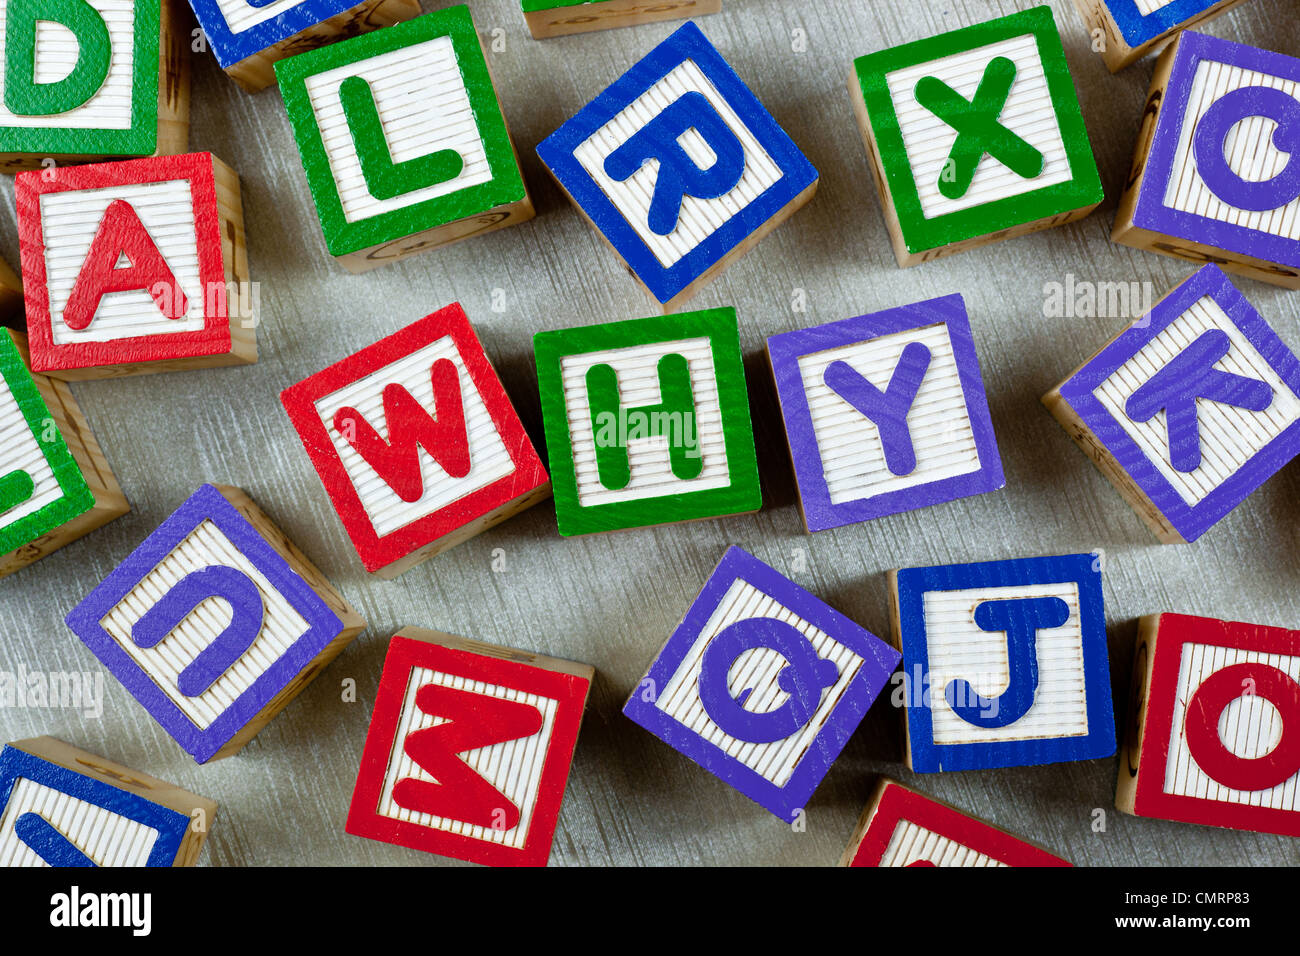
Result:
{"points": [[402, 139], [554, 18], [89, 90], [975, 135], [41, 486], [647, 422]]}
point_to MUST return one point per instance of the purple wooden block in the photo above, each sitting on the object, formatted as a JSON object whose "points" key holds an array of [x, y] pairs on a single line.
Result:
{"points": [[1217, 190], [292, 647], [802, 685], [885, 413], [1215, 392]]}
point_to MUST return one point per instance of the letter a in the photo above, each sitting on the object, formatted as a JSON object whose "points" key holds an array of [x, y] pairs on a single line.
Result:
{"points": [[121, 233]]}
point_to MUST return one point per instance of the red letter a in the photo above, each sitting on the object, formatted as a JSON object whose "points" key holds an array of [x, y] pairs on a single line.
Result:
{"points": [[122, 233], [473, 721], [410, 427]]}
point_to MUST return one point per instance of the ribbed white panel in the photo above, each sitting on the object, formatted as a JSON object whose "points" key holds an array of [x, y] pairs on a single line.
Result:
{"points": [[853, 460], [19, 449], [57, 50], [1148, 7], [423, 106], [757, 670], [282, 626], [959, 650], [911, 842], [69, 222], [698, 218], [108, 838], [1028, 113], [1248, 149], [1230, 436], [1249, 727], [513, 767], [240, 15], [489, 458], [638, 385]]}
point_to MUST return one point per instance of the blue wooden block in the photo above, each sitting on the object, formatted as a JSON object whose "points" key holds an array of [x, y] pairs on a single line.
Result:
{"points": [[1126, 30], [248, 36], [62, 806], [677, 164], [1005, 662], [762, 684]]}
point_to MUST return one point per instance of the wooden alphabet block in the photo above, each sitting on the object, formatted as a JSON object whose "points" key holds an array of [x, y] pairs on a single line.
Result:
{"points": [[557, 18], [900, 827], [249, 36], [885, 413], [1130, 29], [402, 140], [64, 806], [11, 297], [417, 443], [679, 167], [215, 622], [55, 485], [1214, 725], [89, 80], [1005, 661], [1216, 170], [647, 422], [469, 748], [975, 136], [1189, 409], [135, 267], [806, 676]]}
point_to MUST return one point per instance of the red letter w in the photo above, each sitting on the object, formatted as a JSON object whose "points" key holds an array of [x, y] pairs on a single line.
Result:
{"points": [[410, 428]]}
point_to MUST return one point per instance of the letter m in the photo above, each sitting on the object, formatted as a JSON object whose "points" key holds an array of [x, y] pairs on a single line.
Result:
{"points": [[410, 428]]}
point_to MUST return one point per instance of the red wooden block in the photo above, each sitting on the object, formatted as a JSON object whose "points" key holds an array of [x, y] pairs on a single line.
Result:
{"points": [[1214, 725], [416, 442], [900, 827], [135, 267], [489, 734]]}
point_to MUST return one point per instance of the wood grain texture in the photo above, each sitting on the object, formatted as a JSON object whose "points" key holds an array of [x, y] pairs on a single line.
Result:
{"points": [[612, 600]]}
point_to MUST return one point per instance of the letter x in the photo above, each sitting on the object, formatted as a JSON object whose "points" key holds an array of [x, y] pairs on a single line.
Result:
{"points": [[978, 128]]}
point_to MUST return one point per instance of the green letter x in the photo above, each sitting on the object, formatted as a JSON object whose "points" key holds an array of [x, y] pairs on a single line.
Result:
{"points": [[977, 126]]}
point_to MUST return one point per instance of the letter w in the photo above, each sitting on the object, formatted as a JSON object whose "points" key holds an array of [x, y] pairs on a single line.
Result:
{"points": [[473, 721], [410, 428]]}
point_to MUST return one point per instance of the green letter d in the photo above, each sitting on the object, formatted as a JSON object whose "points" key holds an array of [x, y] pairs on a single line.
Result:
{"points": [[23, 95]]}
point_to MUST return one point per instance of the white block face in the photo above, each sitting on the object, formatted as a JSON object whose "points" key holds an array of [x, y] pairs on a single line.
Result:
{"points": [[513, 767], [758, 670], [959, 650], [911, 842], [57, 50], [1249, 727], [648, 458], [1230, 436], [423, 106], [1148, 7], [853, 461], [69, 223], [108, 838], [20, 451], [1248, 150], [1028, 113], [240, 15], [282, 626], [698, 218], [489, 458]]}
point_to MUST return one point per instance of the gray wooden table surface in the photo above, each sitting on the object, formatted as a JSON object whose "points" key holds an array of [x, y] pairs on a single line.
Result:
{"points": [[612, 600]]}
